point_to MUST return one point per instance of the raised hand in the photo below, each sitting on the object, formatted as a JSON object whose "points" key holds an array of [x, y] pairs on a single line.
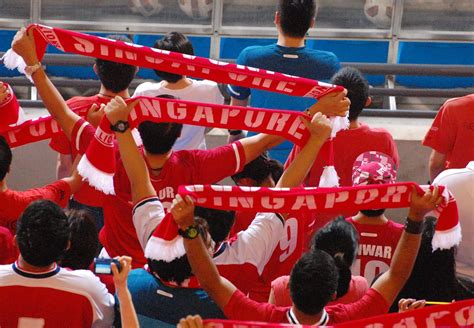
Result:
{"points": [[409, 304], [420, 205], [319, 126], [120, 278], [183, 211], [117, 110], [332, 104], [24, 45]]}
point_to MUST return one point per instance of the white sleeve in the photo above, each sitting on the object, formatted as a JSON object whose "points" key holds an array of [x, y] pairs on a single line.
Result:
{"points": [[256, 244], [147, 214]]}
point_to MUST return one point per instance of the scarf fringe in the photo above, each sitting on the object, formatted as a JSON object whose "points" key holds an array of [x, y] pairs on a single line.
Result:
{"points": [[101, 181], [329, 178], [165, 250], [12, 61], [447, 239]]}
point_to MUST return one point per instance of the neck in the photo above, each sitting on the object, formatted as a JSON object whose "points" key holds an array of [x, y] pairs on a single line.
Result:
{"points": [[306, 319], [107, 93], [362, 219], [3, 185], [31, 268], [156, 162], [290, 42], [354, 124], [181, 84]]}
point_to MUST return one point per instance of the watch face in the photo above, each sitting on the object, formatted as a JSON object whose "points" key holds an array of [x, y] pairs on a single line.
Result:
{"points": [[121, 126], [192, 232]]}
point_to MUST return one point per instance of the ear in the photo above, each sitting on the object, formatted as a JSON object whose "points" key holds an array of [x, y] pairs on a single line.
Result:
{"points": [[15, 241], [68, 245], [136, 70], [95, 69], [276, 20], [368, 101], [313, 22], [247, 182]]}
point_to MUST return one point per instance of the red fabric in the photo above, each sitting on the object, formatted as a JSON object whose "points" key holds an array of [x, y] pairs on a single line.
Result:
{"points": [[101, 150], [452, 132], [8, 250], [177, 63], [281, 291], [13, 203], [348, 144], [9, 109], [240, 307], [377, 244]]}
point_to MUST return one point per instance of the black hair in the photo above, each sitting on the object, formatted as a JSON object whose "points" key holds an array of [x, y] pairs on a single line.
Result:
{"points": [[219, 221], [259, 169], [42, 233], [296, 16], [373, 213], [339, 239], [84, 241], [176, 42], [5, 158], [159, 138], [179, 269], [434, 274], [115, 76], [313, 281], [357, 89]]}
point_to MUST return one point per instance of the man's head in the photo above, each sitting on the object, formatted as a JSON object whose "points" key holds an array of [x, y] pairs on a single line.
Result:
{"points": [[159, 138], [114, 76], [373, 167], [261, 172], [313, 281], [84, 241], [5, 158], [176, 42], [295, 17], [357, 89], [42, 233], [219, 222]]}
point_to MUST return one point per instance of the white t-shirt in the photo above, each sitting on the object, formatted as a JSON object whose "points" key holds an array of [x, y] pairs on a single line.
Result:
{"points": [[192, 137], [461, 183]]}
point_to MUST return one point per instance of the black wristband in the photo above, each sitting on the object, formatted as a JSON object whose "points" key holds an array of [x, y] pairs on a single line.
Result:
{"points": [[235, 132], [413, 227]]}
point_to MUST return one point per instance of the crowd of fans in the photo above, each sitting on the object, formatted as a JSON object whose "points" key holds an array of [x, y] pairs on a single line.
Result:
{"points": [[297, 267]]}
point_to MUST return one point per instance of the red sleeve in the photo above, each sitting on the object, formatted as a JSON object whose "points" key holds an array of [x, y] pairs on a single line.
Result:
{"points": [[371, 304], [58, 192], [240, 307], [61, 144], [8, 252], [213, 165], [393, 150], [442, 135], [81, 136]]}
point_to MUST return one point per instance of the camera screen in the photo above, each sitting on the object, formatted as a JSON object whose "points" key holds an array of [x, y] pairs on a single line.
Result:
{"points": [[102, 268]]}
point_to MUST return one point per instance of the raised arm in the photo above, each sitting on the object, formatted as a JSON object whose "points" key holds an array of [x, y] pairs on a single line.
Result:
{"points": [[218, 288], [128, 315], [134, 163], [392, 281], [437, 164], [24, 45]]}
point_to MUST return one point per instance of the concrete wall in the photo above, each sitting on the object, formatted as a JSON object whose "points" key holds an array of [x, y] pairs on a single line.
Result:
{"points": [[34, 165]]}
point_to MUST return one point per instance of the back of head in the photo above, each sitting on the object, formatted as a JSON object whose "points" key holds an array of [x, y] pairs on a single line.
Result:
{"points": [[260, 169], [296, 16], [176, 42], [313, 281], [5, 158], [357, 89], [84, 241], [219, 221], [42, 233], [339, 239], [114, 76]]}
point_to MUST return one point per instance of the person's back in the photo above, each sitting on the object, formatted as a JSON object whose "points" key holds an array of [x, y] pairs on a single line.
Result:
{"points": [[36, 291]]}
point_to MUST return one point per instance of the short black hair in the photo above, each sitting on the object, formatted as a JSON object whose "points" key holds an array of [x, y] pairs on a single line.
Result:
{"points": [[357, 89], [296, 16], [339, 239], [176, 42], [5, 158], [219, 221], [84, 241], [313, 281], [259, 169], [114, 76], [42, 233], [179, 269]]}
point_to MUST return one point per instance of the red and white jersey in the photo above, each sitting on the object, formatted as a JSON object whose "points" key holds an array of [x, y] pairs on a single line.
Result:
{"points": [[54, 298], [377, 244], [184, 167]]}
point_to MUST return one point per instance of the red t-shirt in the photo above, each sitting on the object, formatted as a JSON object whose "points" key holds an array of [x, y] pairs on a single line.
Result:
{"points": [[240, 307], [452, 132], [377, 244], [13, 203], [357, 289], [8, 250], [86, 194], [348, 144], [184, 167]]}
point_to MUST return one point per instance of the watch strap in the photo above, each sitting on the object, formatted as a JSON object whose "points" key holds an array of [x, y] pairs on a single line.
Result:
{"points": [[413, 227]]}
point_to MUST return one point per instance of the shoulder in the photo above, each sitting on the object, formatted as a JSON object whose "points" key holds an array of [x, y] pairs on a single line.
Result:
{"points": [[147, 87], [79, 101], [205, 85], [256, 53], [394, 226], [460, 102]]}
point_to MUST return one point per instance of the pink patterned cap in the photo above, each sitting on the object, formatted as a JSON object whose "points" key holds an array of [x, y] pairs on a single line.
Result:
{"points": [[373, 167]]}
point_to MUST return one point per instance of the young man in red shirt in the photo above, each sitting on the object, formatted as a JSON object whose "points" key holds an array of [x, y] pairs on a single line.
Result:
{"points": [[451, 136], [313, 280]]}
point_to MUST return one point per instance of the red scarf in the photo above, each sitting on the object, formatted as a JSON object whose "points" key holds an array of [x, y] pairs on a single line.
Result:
{"points": [[457, 314]]}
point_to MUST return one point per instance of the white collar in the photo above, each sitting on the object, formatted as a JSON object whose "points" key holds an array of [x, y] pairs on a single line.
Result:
{"points": [[322, 322]]}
